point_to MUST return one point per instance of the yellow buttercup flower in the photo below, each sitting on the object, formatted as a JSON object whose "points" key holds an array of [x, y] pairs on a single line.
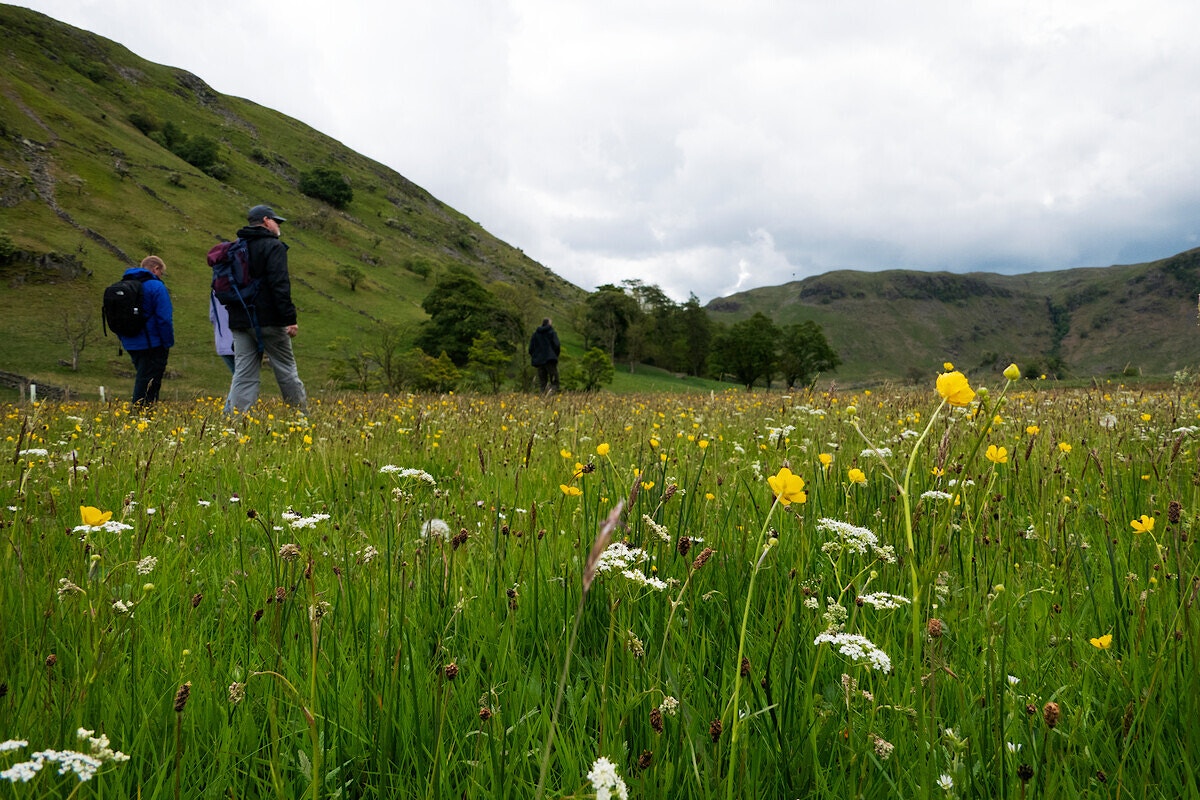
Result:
{"points": [[954, 388], [565, 453], [647, 485], [1143, 524], [1103, 642], [1146, 418], [948, 366], [788, 487], [570, 491], [997, 455], [602, 449], [1012, 372], [94, 517], [826, 459], [856, 475], [1064, 447], [1033, 430], [703, 443]]}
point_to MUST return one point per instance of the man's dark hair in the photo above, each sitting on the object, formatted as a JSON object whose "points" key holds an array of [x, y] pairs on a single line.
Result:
{"points": [[546, 321]]}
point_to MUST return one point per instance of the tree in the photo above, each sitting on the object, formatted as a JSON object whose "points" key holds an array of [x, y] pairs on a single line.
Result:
{"points": [[78, 330], [488, 359], [350, 367], [804, 352], [460, 308], [747, 350], [352, 274], [327, 184], [609, 315], [440, 374], [595, 369], [698, 337]]}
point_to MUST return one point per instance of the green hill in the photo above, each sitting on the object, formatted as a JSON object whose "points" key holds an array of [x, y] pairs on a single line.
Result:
{"points": [[1080, 322], [85, 193]]}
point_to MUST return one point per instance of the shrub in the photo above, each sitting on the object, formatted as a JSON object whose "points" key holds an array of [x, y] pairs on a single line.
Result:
{"points": [[327, 185]]}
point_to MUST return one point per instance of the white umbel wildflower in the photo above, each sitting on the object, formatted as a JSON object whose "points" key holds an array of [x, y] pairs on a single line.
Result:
{"points": [[883, 600], [401, 472], [605, 780], [858, 649]]}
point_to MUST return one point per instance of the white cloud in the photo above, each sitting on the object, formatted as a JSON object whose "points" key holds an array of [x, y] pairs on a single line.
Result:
{"points": [[708, 146]]}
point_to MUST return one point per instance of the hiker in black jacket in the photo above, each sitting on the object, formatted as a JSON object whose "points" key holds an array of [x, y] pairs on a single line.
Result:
{"points": [[274, 313], [543, 354]]}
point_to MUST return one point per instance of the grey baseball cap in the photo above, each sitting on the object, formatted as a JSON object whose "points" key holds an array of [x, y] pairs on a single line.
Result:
{"points": [[260, 212]]}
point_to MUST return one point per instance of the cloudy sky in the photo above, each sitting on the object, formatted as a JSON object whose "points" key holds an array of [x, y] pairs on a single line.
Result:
{"points": [[710, 146]]}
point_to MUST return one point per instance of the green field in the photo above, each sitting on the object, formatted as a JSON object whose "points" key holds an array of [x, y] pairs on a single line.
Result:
{"points": [[483, 597]]}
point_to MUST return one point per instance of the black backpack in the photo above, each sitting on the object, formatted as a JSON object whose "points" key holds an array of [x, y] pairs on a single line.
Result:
{"points": [[123, 311]]}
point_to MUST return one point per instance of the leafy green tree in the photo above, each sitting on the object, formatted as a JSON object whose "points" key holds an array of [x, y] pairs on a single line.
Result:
{"points": [[352, 274], [595, 369], [439, 374], [804, 352], [697, 336], [327, 184], [460, 308], [747, 350], [610, 312], [486, 358]]}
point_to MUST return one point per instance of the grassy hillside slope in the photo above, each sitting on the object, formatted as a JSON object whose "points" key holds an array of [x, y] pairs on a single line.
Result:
{"points": [[84, 194]]}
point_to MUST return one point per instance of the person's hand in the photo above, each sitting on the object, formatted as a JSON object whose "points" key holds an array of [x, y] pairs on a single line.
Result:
{"points": [[292, 330]]}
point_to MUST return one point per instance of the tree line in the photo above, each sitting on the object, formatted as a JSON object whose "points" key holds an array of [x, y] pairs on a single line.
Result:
{"points": [[476, 337]]}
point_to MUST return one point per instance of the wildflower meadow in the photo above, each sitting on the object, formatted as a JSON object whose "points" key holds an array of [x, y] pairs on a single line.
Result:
{"points": [[953, 590]]}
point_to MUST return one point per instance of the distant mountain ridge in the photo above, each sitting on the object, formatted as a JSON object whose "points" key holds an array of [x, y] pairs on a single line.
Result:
{"points": [[1139, 318]]}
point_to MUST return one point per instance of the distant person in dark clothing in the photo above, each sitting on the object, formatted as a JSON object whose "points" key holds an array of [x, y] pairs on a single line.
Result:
{"points": [[275, 314], [149, 348], [543, 354]]}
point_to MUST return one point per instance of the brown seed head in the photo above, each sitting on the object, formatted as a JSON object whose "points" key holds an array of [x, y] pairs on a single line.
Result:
{"points": [[702, 559], [656, 720], [1174, 512], [934, 628], [196, 598], [459, 539], [1025, 772], [51, 660], [485, 713], [714, 730], [451, 670], [181, 697], [1101, 776], [670, 492], [1030, 709], [645, 759], [683, 545], [745, 667], [1050, 714]]}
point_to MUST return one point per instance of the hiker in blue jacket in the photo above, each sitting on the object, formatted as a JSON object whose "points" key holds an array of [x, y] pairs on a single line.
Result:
{"points": [[149, 349]]}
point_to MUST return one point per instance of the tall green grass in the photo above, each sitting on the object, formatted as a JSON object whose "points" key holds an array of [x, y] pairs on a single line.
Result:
{"points": [[335, 641]]}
